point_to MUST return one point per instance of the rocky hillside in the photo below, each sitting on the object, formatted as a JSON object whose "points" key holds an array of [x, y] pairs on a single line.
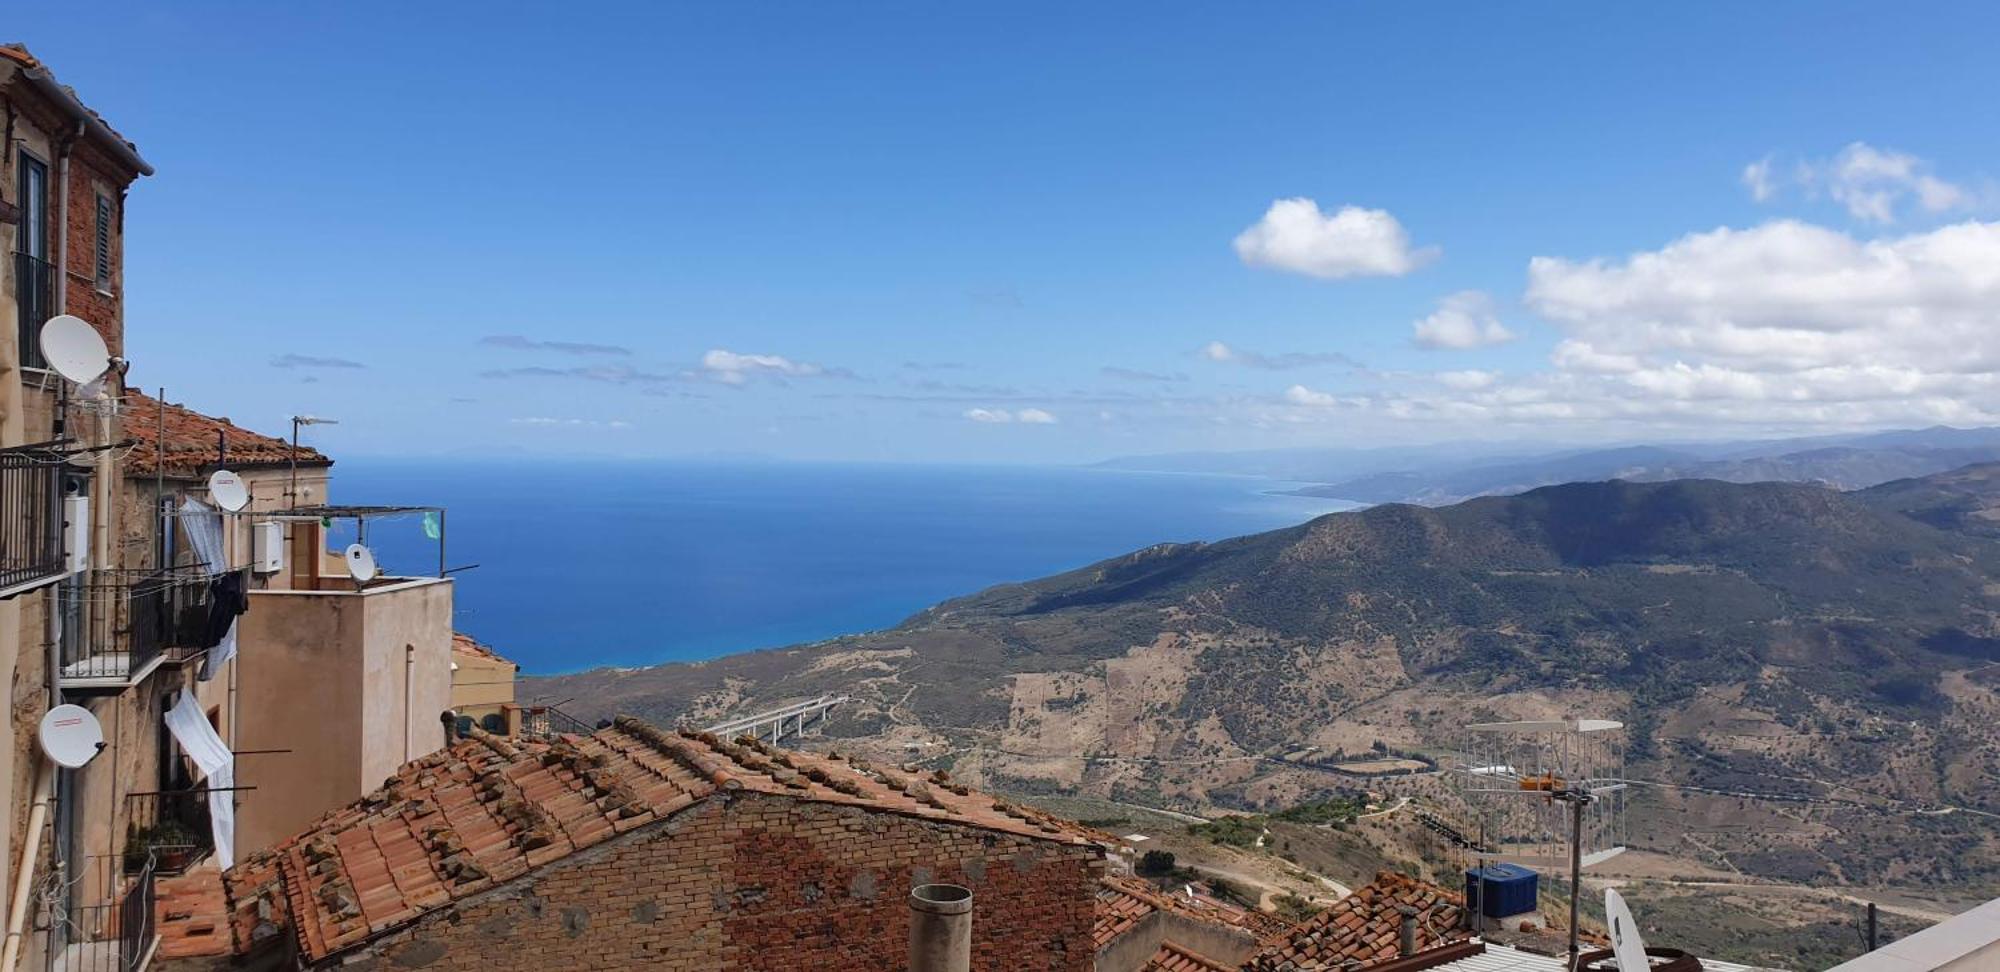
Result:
{"points": [[1810, 665]]}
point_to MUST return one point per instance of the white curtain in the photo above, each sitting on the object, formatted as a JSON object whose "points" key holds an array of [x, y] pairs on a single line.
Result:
{"points": [[203, 525], [218, 768]]}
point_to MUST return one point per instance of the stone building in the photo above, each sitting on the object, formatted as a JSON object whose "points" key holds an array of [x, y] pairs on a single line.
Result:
{"points": [[64, 175], [635, 847]]}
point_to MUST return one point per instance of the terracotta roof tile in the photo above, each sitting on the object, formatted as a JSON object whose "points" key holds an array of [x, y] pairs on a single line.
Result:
{"points": [[465, 644], [1122, 902], [488, 809], [20, 55], [1365, 926], [192, 440], [191, 915], [1175, 958]]}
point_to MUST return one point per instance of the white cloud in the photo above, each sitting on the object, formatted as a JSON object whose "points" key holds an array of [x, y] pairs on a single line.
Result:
{"points": [[1758, 179], [1224, 354], [1301, 395], [732, 368], [543, 421], [1468, 380], [1462, 320], [1871, 183], [1780, 328], [1296, 235], [997, 416]]}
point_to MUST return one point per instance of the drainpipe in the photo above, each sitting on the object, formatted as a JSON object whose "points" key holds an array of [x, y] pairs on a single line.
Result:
{"points": [[24, 880], [409, 670], [940, 928]]}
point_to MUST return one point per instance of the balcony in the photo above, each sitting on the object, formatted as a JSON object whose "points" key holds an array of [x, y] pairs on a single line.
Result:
{"points": [[31, 544], [120, 625], [34, 298], [168, 830], [108, 920]]}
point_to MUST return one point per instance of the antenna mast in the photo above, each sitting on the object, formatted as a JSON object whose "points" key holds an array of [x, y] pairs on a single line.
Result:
{"points": [[1577, 768]]}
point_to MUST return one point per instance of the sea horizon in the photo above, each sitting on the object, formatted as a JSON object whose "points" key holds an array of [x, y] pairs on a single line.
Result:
{"points": [[706, 557]]}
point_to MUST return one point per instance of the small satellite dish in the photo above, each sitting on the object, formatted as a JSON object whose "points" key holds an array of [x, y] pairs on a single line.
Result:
{"points": [[71, 736], [227, 490], [1626, 946], [360, 563], [74, 349]]}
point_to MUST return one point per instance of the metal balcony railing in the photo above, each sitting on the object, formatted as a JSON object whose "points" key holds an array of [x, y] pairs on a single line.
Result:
{"points": [[168, 830], [119, 624], [31, 544], [546, 722], [34, 297], [113, 930]]}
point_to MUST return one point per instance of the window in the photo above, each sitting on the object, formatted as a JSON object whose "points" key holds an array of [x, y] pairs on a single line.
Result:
{"points": [[33, 283], [104, 242], [33, 238]]}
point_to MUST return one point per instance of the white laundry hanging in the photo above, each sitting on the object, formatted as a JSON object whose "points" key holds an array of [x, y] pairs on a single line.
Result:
{"points": [[218, 769]]}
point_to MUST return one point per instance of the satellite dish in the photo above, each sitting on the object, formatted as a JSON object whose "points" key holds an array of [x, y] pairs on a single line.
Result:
{"points": [[227, 490], [360, 563], [1626, 945], [71, 736], [74, 349]]}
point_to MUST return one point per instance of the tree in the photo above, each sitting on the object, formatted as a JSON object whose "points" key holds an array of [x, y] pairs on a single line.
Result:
{"points": [[1156, 862]]}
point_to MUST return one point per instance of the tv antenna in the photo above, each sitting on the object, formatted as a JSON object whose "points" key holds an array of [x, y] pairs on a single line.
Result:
{"points": [[228, 491], [361, 564], [74, 349], [70, 736], [1553, 792]]}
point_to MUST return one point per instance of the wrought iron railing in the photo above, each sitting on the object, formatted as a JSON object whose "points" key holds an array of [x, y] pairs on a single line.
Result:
{"points": [[34, 297], [539, 721], [168, 830], [104, 920], [31, 544], [120, 621]]}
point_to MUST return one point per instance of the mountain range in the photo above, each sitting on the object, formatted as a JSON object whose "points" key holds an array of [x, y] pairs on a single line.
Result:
{"points": [[1436, 476], [1808, 675]]}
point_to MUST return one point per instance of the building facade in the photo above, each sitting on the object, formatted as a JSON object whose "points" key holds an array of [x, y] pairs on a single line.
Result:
{"points": [[116, 563]]}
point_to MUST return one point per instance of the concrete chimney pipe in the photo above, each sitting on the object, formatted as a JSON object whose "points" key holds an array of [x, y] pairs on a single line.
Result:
{"points": [[1406, 935], [940, 928]]}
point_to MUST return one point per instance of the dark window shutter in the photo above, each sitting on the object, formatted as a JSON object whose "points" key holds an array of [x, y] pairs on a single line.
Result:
{"points": [[103, 240]]}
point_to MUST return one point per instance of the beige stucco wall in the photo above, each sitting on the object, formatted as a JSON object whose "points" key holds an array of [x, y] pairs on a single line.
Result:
{"points": [[407, 681], [481, 685], [351, 682]]}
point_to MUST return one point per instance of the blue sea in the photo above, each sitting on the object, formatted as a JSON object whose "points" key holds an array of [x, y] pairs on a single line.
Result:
{"points": [[629, 563]]}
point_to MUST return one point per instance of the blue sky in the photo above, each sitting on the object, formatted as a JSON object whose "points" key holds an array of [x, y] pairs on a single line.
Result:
{"points": [[1033, 232]]}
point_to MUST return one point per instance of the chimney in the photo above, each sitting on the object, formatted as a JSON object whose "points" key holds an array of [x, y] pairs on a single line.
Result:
{"points": [[940, 928], [1406, 939]]}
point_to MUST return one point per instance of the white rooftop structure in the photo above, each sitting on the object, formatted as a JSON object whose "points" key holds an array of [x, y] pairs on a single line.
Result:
{"points": [[1500, 958], [1967, 943]]}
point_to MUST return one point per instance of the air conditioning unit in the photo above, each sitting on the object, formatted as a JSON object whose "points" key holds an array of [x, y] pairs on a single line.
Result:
{"points": [[76, 533], [267, 547]]}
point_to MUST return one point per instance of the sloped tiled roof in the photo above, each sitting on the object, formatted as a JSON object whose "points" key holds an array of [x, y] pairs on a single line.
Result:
{"points": [[465, 644], [192, 441], [1123, 902], [1364, 927], [487, 810], [1174, 958], [19, 54]]}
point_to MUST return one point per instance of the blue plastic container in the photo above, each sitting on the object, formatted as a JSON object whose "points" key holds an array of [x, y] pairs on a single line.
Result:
{"points": [[1501, 890]]}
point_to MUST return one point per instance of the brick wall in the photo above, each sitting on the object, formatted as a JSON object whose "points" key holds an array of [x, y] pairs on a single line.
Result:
{"points": [[764, 883], [91, 174]]}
